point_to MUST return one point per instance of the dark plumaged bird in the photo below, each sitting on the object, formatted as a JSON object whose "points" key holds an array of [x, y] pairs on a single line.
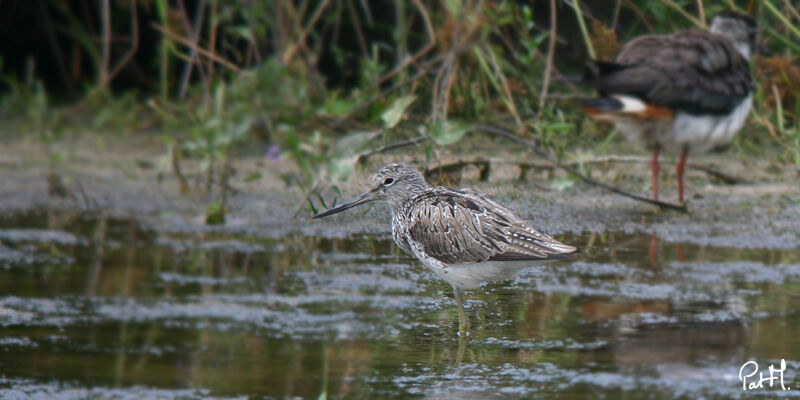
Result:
{"points": [[690, 91]]}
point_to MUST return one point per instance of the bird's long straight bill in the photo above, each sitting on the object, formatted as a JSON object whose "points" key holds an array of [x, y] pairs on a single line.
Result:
{"points": [[365, 197]]}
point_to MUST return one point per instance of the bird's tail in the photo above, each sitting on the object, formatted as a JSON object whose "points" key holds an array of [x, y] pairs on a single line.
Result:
{"points": [[596, 69], [602, 104]]}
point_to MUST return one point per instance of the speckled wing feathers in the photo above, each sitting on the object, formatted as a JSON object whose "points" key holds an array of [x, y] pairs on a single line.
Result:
{"points": [[463, 226], [693, 71]]}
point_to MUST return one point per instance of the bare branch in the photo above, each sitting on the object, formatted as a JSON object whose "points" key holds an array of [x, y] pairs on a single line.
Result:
{"points": [[134, 45], [551, 47], [536, 149], [188, 43]]}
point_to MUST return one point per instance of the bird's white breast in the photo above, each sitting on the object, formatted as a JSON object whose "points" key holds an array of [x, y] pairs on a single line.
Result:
{"points": [[704, 132]]}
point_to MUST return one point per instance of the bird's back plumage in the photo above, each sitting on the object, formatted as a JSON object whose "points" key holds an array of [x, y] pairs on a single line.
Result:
{"points": [[692, 71], [463, 226]]}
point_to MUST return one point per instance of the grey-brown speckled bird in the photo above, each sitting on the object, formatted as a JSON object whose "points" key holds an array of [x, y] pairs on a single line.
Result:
{"points": [[690, 91], [462, 236]]}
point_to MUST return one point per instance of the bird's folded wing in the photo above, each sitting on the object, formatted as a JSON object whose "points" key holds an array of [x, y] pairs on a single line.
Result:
{"points": [[463, 226]]}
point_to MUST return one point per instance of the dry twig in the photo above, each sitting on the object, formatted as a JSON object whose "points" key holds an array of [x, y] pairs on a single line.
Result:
{"points": [[671, 4], [188, 43], [391, 146], [134, 46], [536, 149], [301, 41], [548, 69], [194, 29], [431, 44]]}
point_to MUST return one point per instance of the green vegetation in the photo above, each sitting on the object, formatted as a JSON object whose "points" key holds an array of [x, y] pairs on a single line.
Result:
{"points": [[328, 83]]}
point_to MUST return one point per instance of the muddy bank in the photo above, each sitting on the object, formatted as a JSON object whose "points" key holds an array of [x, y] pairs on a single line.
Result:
{"points": [[122, 180]]}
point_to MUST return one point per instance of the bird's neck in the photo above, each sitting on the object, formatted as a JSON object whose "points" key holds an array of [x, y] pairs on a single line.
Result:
{"points": [[409, 196], [400, 206]]}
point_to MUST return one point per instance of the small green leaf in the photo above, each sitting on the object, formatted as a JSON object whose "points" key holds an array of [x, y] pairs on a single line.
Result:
{"points": [[337, 107], [219, 99], [242, 128], [395, 112], [243, 31], [253, 176], [448, 132], [213, 123], [429, 151], [353, 143], [215, 214], [558, 127], [454, 6], [561, 184]]}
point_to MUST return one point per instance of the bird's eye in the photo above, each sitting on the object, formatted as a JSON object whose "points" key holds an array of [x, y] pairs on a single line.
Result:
{"points": [[388, 181]]}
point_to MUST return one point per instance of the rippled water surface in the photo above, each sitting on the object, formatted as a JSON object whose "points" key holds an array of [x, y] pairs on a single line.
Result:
{"points": [[93, 307]]}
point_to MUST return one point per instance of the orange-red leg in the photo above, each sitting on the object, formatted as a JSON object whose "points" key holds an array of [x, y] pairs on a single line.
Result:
{"points": [[679, 254], [654, 171], [653, 251], [679, 171]]}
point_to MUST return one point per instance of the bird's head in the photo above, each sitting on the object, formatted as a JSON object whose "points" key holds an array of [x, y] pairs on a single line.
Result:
{"points": [[395, 183], [740, 28]]}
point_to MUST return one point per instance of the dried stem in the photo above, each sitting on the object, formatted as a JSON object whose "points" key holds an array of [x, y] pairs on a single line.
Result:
{"points": [[431, 43], [301, 41], [175, 155], [640, 14], [391, 146], [505, 88], [306, 199], [225, 179], [54, 44], [194, 29], [134, 45], [212, 35], [105, 16], [536, 149], [362, 42], [778, 108], [702, 11], [187, 43], [612, 159], [548, 70], [792, 9], [576, 5], [774, 11], [367, 12], [671, 4]]}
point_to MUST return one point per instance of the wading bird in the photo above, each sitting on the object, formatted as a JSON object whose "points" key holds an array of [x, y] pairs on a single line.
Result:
{"points": [[690, 91], [462, 236]]}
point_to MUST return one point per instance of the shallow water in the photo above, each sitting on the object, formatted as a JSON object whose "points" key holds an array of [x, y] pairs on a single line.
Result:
{"points": [[95, 307]]}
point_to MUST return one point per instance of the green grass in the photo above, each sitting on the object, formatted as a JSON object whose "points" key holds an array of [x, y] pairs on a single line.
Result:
{"points": [[327, 81]]}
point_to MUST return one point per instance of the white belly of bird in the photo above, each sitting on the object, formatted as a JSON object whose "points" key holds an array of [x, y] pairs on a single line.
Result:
{"points": [[700, 132], [703, 133], [476, 274]]}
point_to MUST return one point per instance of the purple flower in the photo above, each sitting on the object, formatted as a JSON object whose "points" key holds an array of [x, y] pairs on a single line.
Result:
{"points": [[274, 153]]}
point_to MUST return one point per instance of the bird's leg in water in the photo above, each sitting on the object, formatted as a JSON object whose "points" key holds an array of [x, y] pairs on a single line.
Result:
{"points": [[654, 173], [679, 171], [463, 322]]}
